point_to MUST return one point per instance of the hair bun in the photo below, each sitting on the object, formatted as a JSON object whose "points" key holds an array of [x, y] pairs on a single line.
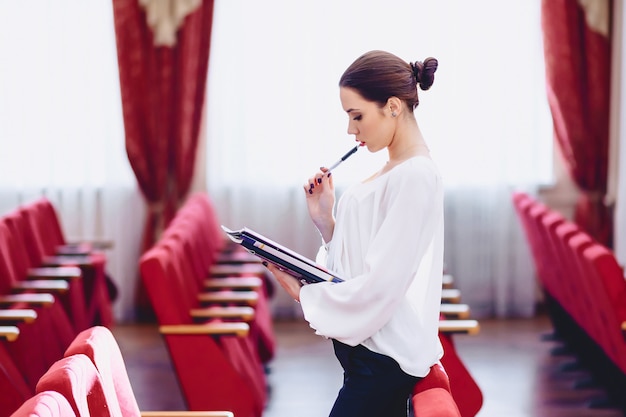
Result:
{"points": [[424, 72]]}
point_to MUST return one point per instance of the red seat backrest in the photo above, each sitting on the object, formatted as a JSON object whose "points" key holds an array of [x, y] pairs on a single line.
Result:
{"points": [[99, 345], [45, 404], [466, 392], [77, 379]]}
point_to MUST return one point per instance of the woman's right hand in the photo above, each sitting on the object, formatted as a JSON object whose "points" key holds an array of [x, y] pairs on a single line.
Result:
{"points": [[320, 199]]}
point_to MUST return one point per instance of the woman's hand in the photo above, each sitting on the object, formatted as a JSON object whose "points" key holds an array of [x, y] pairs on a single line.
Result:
{"points": [[288, 282], [320, 199]]}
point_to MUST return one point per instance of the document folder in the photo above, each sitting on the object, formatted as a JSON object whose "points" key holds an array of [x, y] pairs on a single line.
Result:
{"points": [[299, 266]]}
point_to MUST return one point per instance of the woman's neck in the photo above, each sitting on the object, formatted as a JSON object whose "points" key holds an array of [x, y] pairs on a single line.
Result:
{"points": [[407, 143]]}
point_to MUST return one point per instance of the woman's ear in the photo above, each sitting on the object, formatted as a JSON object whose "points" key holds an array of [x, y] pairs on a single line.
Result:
{"points": [[394, 105]]}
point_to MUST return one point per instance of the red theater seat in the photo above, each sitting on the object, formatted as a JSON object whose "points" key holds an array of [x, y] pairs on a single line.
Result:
{"points": [[99, 344], [13, 387], [65, 283], [432, 396], [216, 362], [77, 379], [42, 251], [45, 404], [466, 392]]}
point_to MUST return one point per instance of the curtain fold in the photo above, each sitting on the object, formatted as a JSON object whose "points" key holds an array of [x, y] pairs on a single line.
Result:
{"points": [[576, 37], [162, 91]]}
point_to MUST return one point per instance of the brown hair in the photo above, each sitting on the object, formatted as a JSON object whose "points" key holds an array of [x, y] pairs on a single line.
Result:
{"points": [[379, 75]]}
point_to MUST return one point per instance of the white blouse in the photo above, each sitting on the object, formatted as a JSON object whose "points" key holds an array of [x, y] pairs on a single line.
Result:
{"points": [[388, 246]]}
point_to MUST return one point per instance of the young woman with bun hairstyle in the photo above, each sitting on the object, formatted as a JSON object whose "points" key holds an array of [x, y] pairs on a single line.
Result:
{"points": [[385, 239]]}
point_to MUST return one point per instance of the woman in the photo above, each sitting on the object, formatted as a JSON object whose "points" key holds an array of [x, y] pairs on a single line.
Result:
{"points": [[386, 241]]}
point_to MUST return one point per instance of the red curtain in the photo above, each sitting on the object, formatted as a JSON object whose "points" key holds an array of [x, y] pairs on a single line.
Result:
{"points": [[162, 91], [578, 62]]}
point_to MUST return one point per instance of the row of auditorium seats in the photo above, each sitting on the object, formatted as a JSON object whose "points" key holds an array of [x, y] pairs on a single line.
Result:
{"points": [[50, 291], [90, 380], [211, 301], [585, 292]]}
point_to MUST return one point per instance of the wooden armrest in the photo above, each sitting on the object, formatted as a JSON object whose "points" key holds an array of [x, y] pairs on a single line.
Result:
{"points": [[242, 297], [62, 260], [93, 244], [248, 283], [21, 315], [243, 313], [450, 295], [42, 285], [73, 250], [459, 326], [220, 328], [229, 270], [10, 333], [448, 281], [455, 311], [41, 299], [57, 272], [237, 258], [186, 414]]}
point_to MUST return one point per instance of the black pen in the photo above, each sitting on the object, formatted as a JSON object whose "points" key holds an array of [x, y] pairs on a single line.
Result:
{"points": [[336, 164], [343, 158]]}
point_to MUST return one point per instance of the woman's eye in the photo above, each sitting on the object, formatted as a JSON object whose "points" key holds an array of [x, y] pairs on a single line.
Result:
{"points": [[359, 117]]}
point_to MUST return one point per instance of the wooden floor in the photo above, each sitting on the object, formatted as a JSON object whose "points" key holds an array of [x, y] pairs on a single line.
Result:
{"points": [[511, 361]]}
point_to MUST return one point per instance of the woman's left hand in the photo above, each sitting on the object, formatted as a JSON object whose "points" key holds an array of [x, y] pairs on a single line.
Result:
{"points": [[288, 282]]}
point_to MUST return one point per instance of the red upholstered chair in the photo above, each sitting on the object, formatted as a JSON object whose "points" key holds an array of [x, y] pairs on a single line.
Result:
{"points": [[99, 344], [42, 251], [432, 396], [216, 363], [609, 301], [54, 230], [524, 204], [222, 249], [65, 283], [583, 309], [14, 389], [223, 257], [185, 237], [531, 212], [30, 353], [45, 330], [45, 404], [77, 379], [465, 391]]}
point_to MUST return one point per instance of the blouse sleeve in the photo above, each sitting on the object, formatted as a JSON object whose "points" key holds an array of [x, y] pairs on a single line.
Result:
{"points": [[354, 310]]}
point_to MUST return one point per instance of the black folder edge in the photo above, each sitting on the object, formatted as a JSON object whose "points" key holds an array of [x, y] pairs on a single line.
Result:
{"points": [[300, 267]]}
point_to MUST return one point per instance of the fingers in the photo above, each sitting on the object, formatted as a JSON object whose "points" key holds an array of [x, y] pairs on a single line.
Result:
{"points": [[288, 282], [317, 179]]}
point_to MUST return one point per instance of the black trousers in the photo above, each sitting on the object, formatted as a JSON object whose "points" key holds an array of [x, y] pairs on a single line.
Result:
{"points": [[373, 384]]}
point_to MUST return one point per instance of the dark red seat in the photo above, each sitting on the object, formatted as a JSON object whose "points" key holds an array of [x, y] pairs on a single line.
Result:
{"points": [[42, 251], [465, 391], [14, 388], [216, 362], [72, 299]]}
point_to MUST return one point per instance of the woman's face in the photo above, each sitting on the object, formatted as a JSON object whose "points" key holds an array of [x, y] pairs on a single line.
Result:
{"points": [[370, 124]]}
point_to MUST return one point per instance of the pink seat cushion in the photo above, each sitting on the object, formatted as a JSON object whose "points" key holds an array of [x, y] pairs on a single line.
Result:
{"points": [[99, 345], [45, 404], [77, 379]]}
